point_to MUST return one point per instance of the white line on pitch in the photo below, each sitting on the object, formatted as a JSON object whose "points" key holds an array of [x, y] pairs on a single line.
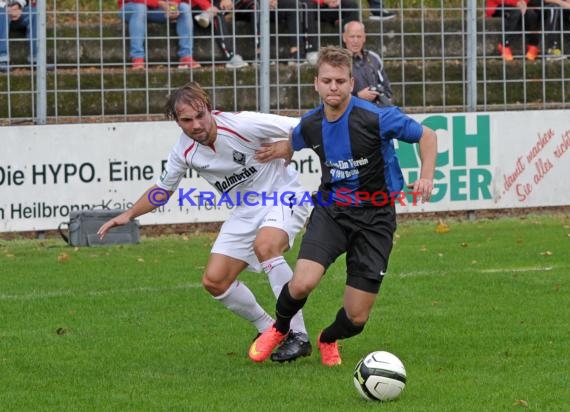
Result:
{"points": [[61, 293], [510, 270], [471, 270]]}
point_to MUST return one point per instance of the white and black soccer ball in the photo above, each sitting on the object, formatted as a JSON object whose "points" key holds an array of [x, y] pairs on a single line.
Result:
{"points": [[380, 376]]}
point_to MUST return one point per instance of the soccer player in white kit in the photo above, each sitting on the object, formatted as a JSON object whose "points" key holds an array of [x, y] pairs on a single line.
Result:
{"points": [[221, 146]]}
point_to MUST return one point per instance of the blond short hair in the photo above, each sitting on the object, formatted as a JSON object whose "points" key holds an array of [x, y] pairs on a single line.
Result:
{"points": [[336, 57]]}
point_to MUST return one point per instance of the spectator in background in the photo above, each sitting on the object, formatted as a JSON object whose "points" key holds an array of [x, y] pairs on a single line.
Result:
{"points": [[370, 80], [320, 11], [215, 12], [19, 15], [137, 13], [517, 16], [552, 21], [288, 11], [293, 13], [378, 12]]}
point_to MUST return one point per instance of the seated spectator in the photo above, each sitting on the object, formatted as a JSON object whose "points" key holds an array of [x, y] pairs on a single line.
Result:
{"points": [[378, 12], [216, 12], [514, 13], [280, 11], [17, 15], [370, 80], [291, 13], [552, 21], [321, 11], [136, 13]]}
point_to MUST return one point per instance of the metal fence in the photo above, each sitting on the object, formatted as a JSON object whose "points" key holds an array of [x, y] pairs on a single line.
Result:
{"points": [[439, 59]]}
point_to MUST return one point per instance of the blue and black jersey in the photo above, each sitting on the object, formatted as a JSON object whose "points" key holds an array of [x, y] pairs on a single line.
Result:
{"points": [[357, 151]]}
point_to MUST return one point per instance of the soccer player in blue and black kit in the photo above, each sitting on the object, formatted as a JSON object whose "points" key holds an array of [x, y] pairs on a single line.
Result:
{"points": [[354, 211]]}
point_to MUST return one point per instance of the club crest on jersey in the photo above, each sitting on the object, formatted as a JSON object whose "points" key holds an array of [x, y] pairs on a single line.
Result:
{"points": [[239, 158]]}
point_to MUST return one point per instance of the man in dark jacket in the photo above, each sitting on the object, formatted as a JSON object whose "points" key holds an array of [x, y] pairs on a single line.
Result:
{"points": [[21, 15]]}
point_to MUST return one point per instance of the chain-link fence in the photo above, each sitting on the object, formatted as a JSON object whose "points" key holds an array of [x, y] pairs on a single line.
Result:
{"points": [[438, 59]]}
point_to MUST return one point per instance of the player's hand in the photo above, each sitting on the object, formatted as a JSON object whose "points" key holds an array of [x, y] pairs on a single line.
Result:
{"points": [[170, 9], [424, 187], [120, 220], [271, 151], [213, 11], [368, 94]]}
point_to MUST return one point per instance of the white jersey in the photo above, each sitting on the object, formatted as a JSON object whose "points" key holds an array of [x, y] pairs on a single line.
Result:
{"points": [[229, 164]]}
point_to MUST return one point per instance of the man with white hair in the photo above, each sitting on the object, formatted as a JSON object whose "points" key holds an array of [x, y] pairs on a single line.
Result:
{"points": [[370, 80]]}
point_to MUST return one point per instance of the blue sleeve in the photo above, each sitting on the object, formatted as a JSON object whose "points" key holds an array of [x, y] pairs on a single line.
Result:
{"points": [[298, 141], [396, 125]]}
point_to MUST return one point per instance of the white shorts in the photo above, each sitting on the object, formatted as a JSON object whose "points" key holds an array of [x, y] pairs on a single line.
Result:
{"points": [[238, 233]]}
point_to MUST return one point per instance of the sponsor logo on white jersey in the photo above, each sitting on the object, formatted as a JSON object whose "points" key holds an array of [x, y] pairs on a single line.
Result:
{"points": [[235, 179]]}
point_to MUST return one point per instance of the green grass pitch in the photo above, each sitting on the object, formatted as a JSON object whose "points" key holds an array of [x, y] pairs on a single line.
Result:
{"points": [[479, 314]]}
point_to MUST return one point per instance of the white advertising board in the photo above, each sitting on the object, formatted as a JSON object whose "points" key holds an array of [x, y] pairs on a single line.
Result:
{"points": [[485, 161]]}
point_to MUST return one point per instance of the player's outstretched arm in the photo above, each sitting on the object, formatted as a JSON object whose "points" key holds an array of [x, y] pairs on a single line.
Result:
{"points": [[428, 155], [154, 196], [277, 150]]}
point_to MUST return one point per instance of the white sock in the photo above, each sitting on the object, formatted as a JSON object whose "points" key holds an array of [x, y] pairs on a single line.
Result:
{"points": [[279, 272], [241, 301]]}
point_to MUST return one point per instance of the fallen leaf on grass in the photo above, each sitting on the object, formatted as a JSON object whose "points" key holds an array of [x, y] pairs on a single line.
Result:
{"points": [[441, 227], [62, 257], [546, 253], [520, 402]]}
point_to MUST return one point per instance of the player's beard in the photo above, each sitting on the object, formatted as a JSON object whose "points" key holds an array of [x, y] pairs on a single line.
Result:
{"points": [[202, 135]]}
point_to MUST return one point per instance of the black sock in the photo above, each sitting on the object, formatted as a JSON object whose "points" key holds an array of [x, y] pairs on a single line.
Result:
{"points": [[286, 308], [341, 328]]}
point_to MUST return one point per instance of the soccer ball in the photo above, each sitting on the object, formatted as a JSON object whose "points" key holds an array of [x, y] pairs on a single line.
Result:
{"points": [[380, 376]]}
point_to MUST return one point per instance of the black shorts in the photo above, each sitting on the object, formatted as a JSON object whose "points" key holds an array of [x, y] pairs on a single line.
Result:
{"points": [[364, 233]]}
